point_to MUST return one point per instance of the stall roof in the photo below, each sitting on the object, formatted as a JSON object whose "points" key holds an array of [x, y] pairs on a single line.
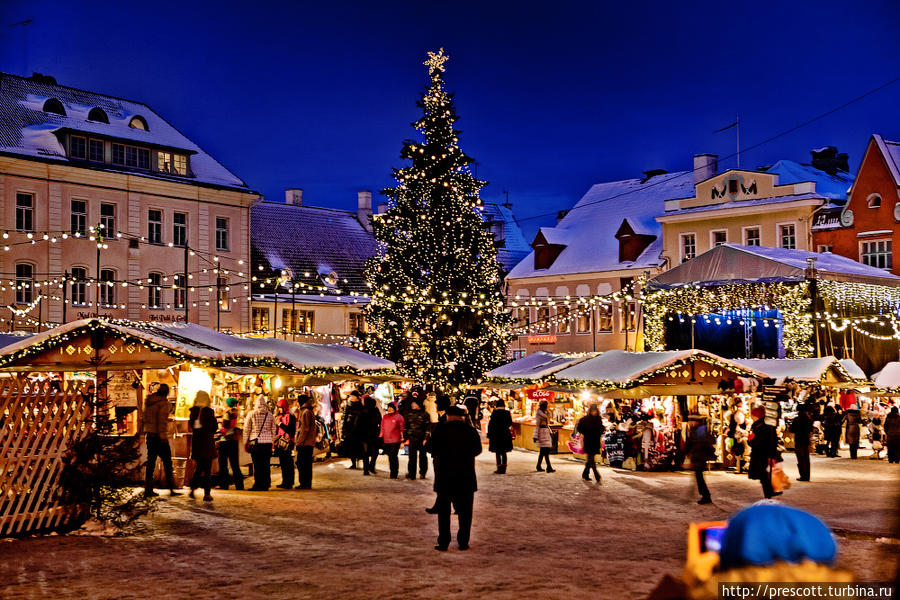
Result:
{"points": [[888, 378], [618, 368], [853, 369], [195, 342], [799, 369], [733, 263], [538, 365]]}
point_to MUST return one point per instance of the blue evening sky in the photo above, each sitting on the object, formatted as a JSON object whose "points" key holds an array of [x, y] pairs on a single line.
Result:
{"points": [[553, 96]]}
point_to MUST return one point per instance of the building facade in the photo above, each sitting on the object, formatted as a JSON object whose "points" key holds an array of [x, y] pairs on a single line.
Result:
{"points": [[865, 227], [107, 209]]}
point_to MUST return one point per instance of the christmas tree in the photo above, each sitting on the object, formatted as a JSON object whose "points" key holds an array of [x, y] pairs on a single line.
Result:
{"points": [[436, 306]]}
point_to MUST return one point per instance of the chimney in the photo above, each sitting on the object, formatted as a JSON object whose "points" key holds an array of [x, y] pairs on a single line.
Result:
{"points": [[382, 208], [364, 208], [705, 166], [293, 196]]}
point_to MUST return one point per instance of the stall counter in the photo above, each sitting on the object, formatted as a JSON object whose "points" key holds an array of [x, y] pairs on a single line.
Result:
{"points": [[524, 438]]}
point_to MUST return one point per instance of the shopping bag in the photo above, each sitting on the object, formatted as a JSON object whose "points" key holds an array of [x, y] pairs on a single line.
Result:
{"points": [[576, 444], [780, 480]]}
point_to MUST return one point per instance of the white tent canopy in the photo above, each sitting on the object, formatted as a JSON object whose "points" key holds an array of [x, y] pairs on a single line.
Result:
{"points": [[799, 369], [888, 378], [538, 365]]}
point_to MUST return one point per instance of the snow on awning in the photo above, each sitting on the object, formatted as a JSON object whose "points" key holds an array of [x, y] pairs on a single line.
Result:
{"points": [[535, 367], [799, 369], [618, 368], [853, 369], [888, 378]]}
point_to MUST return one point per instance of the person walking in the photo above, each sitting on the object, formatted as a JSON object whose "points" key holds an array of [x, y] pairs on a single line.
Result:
{"points": [[499, 433], [852, 419], [259, 433], [371, 417], [283, 445], [202, 423], [156, 430], [306, 442], [737, 434], [700, 449], [228, 449], [802, 427], [352, 429], [543, 436], [391, 434], [454, 445], [892, 435], [416, 424], [831, 425], [763, 451], [590, 426]]}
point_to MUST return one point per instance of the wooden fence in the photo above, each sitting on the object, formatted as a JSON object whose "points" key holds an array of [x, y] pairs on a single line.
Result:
{"points": [[36, 428]]}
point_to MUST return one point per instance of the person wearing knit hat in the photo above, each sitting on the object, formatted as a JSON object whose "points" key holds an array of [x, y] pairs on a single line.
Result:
{"points": [[228, 438], [391, 434]]}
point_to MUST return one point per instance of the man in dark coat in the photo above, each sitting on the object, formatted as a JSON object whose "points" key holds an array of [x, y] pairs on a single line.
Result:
{"points": [[700, 449], [892, 435], [590, 426], [499, 434], [352, 429], [416, 429], [763, 451], [455, 444], [802, 428]]}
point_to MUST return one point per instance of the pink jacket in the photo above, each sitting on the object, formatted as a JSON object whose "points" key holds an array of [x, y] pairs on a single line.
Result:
{"points": [[392, 428]]}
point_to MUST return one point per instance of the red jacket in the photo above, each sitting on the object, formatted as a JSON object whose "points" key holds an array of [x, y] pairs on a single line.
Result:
{"points": [[392, 428]]}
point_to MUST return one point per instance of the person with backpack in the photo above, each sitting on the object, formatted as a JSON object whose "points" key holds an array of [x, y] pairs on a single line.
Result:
{"points": [[700, 449]]}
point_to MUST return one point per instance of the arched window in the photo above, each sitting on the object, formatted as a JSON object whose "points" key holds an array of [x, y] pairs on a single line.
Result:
{"points": [[54, 106], [99, 115], [874, 201], [138, 122]]}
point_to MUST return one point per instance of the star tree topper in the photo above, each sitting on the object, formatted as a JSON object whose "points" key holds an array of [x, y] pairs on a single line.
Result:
{"points": [[436, 61]]}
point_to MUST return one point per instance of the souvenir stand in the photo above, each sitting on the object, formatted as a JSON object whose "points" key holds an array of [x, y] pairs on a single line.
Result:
{"points": [[522, 385], [645, 398], [119, 361]]}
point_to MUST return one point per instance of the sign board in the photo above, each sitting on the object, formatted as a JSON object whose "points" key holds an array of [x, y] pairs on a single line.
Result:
{"points": [[119, 390], [540, 394], [541, 339], [773, 396]]}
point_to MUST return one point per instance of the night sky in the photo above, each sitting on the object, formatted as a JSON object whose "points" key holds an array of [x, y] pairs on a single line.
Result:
{"points": [[552, 96]]}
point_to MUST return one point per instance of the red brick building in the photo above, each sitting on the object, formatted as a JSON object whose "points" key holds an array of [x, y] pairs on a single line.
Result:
{"points": [[866, 227]]}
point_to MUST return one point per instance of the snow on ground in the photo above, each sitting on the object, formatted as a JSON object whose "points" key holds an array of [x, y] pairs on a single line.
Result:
{"points": [[535, 535]]}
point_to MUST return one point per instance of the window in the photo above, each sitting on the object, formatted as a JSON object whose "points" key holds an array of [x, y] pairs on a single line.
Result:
{"points": [[688, 246], [543, 319], [297, 321], [583, 322], [179, 229], [130, 156], [180, 164], [52, 105], [77, 147], [787, 236], [24, 283], [138, 122], [79, 216], [222, 291], [751, 236], [118, 154], [523, 317], [180, 292], [79, 286], [221, 233], [605, 318], [877, 253], [357, 323], [99, 115], [95, 150], [154, 290], [260, 319], [732, 186], [107, 288], [629, 316], [154, 226], [24, 212], [874, 201], [825, 248], [108, 219], [718, 238], [562, 320], [164, 161]]}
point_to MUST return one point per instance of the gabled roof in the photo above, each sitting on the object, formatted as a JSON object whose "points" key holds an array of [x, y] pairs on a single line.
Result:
{"points": [[307, 239], [800, 369], [515, 246], [730, 263], [26, 130], [891, 153], [833, 187], [536, 366], [588, 230]]}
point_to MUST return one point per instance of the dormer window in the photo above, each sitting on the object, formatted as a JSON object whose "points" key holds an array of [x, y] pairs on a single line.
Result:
{"points": [[99, 115], [874, 201], [138, 122], [54, 106], [167, 162]]}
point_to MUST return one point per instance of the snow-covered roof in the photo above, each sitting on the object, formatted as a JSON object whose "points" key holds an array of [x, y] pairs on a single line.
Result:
{"points": [[744, 204], [203, 344], [318, 299], [888, 378], [538, 365], [515, 247], [621, 368], [733, 262], [797, 369], [26, 130], [891, 153], [308, 239], [853, 369], [588, 230], [833, 187]]}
